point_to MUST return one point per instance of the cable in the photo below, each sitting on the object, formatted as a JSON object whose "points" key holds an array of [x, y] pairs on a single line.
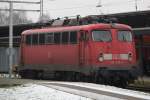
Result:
{"points": [[85, 6], [69, 8], [118, 2]]}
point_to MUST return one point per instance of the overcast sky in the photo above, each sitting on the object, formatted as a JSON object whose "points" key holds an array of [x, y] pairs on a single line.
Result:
{"points": [[61, 8]]}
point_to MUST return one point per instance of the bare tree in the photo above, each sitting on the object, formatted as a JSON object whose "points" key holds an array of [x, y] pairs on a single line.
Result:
{"points": [[18, 18], [3, 17]]}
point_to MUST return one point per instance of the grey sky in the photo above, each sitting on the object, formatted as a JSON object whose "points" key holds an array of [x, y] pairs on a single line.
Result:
{"points": [[61, 8]]}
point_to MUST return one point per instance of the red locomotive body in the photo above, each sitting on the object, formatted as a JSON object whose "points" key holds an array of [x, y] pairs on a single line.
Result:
{"points": [[101, 52]]}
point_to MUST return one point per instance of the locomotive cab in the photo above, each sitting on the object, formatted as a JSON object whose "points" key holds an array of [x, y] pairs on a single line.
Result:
{"points": [[110, 51], [113, 47]]}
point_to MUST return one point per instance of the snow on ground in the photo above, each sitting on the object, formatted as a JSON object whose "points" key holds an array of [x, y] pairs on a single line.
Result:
{"points": [[110, 89], [36, 92], [39, 92]]}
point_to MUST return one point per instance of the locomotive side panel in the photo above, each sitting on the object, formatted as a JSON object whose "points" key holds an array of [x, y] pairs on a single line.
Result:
{"points": [[51, 54]]}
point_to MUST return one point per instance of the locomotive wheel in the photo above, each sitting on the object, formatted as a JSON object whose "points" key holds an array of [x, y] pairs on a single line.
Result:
{"points": [[123, 83], [120, 82], [39, 75], [31, 74], [22, 73], [60, 76], [77, 77], [69, 76], [28, 74]]}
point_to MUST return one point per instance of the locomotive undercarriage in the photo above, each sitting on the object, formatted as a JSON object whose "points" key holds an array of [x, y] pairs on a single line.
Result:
{"points": [[115, 77], [119, 78]]}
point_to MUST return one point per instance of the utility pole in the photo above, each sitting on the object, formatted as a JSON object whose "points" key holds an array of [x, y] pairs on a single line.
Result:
{"points": [[10, 38], [41, 9], [136, 5], [99, 5], [10, 49]]}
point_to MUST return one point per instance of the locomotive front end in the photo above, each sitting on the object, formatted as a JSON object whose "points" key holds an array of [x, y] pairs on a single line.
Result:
{"points": [[113, 54]]}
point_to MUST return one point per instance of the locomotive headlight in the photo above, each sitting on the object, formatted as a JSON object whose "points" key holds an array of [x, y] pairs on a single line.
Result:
{"points": [[101, 58], [130, 56]]}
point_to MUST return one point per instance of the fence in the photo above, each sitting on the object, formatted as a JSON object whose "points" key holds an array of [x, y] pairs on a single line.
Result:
{"points": [[4, 59]]}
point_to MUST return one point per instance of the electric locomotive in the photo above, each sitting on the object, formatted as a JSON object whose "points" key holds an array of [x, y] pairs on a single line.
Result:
{"points": [[91, 50]]}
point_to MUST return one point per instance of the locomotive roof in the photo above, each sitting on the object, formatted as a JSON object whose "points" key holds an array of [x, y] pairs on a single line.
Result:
{"points": [[77, 28]]}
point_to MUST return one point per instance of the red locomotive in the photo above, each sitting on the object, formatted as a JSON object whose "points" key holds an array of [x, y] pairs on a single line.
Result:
{"points": [[97, 52]]}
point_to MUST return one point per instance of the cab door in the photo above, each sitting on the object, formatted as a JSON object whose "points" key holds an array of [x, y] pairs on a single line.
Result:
{"points": [[83, 48]]}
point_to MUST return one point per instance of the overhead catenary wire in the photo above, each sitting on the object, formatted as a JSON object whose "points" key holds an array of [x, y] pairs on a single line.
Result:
{"points": [[94, 5]]}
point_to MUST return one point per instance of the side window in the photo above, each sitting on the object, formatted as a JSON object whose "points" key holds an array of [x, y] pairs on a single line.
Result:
{"points": [[34, 39], [65, 37], [41, 38], [49, 38], [73, 37], [57, 38], [28, 39]]}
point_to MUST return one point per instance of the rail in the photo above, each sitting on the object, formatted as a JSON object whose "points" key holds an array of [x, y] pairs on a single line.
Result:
{"points": [[93, 92], [137, 88]]}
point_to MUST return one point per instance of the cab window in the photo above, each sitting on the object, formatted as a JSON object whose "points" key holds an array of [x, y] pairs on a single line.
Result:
{"points": [[125, 36], [101, 35]]}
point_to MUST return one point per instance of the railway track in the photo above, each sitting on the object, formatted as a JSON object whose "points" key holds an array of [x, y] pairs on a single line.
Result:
{"points": [[89, 92], [137, 88]]}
